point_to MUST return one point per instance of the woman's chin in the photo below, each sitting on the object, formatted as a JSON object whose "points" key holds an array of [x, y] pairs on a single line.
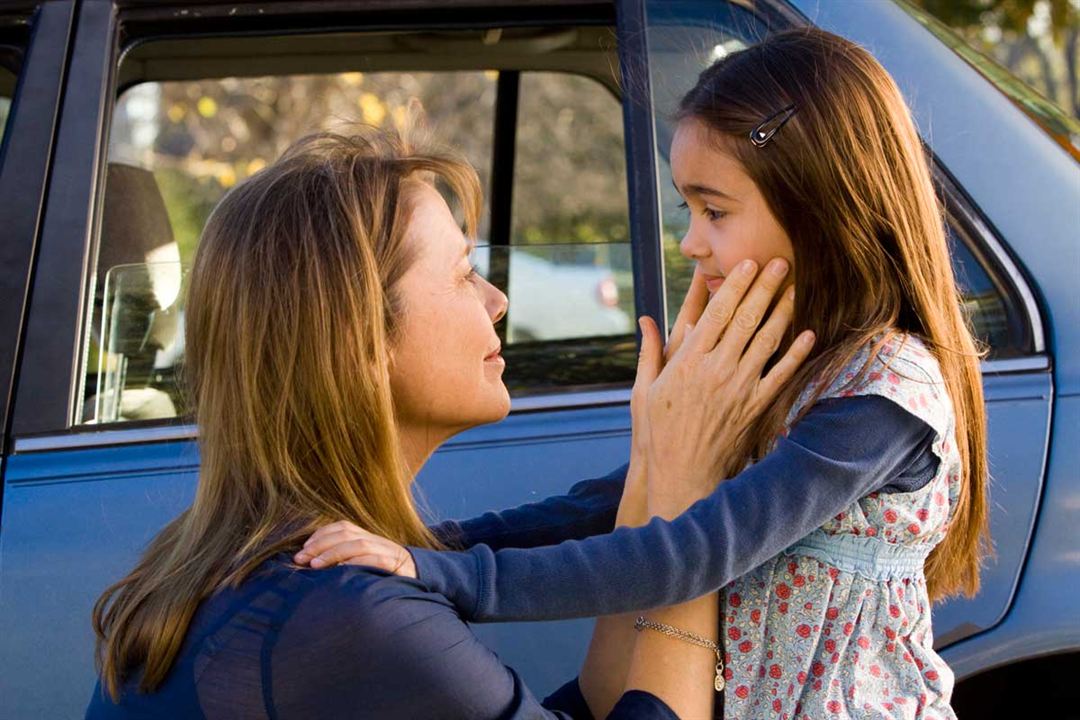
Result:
{"points": [[502, 403], [494, 407]]}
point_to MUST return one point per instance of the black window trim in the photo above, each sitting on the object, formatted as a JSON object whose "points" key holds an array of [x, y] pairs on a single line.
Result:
{"points": [[1025, 316], [24, 170]]}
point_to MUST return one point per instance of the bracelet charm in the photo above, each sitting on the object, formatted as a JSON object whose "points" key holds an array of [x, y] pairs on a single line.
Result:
{"points": [[643, 623]]}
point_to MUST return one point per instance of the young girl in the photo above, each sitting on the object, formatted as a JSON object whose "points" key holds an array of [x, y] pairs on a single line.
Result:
{"points": [[865, 500]]}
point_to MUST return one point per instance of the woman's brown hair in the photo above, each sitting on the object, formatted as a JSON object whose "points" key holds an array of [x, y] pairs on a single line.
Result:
{"points": [[848, 179], [291, 310]]}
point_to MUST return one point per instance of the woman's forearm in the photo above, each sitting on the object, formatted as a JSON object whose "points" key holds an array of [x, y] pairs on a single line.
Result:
{"points": [[607, 664], [674, 670]]}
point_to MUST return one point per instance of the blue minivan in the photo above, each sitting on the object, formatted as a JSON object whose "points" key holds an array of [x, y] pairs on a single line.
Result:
{"points": [[123, 122]]}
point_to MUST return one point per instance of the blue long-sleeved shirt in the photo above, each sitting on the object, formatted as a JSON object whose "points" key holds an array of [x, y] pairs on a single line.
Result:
{"points": [[355, 642], [346, 642], [841, 450]]}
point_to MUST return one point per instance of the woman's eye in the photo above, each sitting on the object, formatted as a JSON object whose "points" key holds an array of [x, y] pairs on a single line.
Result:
{"points": [[474, 273], [684, 206]]}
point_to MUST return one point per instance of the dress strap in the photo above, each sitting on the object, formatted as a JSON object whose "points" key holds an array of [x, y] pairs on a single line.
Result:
{"points": [[867, 556]]}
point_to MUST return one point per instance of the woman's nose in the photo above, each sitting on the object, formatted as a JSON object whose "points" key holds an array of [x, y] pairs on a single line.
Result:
{"points": [[692, 246], [497, 303]]}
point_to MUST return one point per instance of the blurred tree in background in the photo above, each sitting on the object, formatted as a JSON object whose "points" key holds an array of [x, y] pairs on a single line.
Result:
{"points": [[1036, 40], [202, 137]]}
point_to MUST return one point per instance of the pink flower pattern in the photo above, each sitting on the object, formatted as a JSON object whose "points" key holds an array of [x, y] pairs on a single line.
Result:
{"points": [[805, 638]]}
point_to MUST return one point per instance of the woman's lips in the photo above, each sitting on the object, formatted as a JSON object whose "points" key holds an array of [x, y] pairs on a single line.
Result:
{"points": [[495, 356]]}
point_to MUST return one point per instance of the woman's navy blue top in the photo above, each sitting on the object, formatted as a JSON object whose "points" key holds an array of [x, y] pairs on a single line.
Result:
{"points": [[354, 642]]}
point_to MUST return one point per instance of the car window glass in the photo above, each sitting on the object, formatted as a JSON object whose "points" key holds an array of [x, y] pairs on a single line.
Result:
{"points": [[13, 40], [177, 146], [570, 283]]}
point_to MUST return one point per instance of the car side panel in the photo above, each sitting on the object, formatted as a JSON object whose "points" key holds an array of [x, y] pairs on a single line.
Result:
{"points": [[1045, 616], [75, 521], [1018, 421]]}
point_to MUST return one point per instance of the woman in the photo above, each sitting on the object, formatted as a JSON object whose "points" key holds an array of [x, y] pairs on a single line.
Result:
{"points": [[336, 335]]}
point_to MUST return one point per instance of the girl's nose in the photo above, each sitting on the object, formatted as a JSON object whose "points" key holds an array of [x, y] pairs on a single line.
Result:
{"points": [[692, 246]]}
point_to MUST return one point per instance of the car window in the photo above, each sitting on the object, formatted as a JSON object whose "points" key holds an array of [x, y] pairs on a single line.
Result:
{"points": [[14, 34], [557, 243], [8, 75], [569, 229], [685, 38]]}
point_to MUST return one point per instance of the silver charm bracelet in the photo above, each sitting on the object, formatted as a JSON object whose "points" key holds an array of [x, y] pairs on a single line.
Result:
{"points": [[643, 623]]}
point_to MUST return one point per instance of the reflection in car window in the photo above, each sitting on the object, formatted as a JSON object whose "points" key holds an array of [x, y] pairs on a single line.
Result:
{"points": [[177, 146], [570, 322]]}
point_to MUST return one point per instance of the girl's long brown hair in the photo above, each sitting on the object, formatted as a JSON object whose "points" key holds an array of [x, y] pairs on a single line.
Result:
{"points": [[848, 179], [290, 312]]}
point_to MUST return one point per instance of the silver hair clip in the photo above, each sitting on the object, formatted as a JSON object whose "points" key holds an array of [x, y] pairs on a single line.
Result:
{"points": [[762, 134]]}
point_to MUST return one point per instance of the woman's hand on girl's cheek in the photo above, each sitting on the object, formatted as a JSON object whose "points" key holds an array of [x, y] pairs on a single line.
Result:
{"points": [[694, 304], [344, 543], [712, 387], [652, 357]]}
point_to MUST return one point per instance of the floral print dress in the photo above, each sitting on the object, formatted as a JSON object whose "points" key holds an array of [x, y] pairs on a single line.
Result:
{"points": [[838, 625]]}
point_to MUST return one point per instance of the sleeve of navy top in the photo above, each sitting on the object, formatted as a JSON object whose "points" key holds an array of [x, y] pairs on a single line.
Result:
{"points": [[362, 644], [840, 451], [588, 509]]}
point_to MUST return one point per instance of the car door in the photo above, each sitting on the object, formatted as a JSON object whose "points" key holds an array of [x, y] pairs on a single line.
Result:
{"points": [[33, 46], [163, 110], [687, 36], [34, 40], [1017, 167]]}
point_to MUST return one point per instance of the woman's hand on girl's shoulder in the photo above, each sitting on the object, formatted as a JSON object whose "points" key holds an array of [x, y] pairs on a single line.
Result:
{"points": [[345, 543]]}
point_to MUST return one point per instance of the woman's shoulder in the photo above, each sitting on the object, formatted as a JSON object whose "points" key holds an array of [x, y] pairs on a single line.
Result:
{"points": [[367, 598], [338, 606], [358, 637]]}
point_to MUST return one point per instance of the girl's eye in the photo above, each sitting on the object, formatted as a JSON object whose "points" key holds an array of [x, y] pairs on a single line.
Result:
{"points": [[474, 273], [711, 214]]}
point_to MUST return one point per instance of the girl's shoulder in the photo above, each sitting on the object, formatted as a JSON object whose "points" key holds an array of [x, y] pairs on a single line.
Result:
{"points": [[901, 368]]}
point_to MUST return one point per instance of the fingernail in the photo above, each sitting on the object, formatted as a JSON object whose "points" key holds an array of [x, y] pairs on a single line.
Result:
{"points": [[791, 293], [317, 562], [301, 557], [748, 266], [807, 338], [778, 267]]}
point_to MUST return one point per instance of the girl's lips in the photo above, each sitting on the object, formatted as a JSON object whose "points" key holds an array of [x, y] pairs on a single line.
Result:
{"points": [[713, 282]]}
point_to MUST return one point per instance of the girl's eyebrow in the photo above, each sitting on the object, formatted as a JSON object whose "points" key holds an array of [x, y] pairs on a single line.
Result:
{"points": [[706, 190]]}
